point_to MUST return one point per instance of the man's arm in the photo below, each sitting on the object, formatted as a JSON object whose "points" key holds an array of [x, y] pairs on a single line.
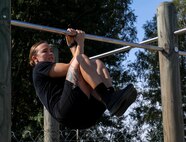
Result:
{"points": [[59, 70]]}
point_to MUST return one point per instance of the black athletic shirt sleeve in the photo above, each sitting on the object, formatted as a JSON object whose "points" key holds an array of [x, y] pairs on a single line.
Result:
{"points": [[48, 89]]}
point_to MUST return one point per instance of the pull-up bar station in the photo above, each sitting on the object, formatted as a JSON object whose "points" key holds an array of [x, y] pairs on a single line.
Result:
{"points": [[169, 67], [173, 127]]}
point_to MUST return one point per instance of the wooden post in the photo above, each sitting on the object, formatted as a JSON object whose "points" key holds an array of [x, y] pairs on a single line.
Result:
{"points": [[51, 126], [5, 72], [170, 74]]}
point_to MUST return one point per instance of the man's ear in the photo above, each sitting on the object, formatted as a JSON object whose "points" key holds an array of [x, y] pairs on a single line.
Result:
{"points": [[34, 58]]}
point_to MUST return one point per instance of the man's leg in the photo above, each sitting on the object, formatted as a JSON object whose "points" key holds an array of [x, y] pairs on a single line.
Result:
{"points": [[102, 71], [74, 76], [126, 96], [88, 71], [116, 102]]}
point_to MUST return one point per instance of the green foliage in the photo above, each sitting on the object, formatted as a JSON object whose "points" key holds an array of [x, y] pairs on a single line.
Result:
{"points": [[110, 18]]}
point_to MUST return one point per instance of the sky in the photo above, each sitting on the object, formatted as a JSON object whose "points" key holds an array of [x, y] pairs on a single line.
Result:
{"points": [[145, 10]]}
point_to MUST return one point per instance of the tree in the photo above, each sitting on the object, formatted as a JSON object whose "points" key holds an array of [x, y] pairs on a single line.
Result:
{"points": [[146, 67], [181, 11], [115, 20]]}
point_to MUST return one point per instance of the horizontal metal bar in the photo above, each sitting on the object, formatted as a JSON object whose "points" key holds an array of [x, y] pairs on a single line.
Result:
{"points": [[38, 27], [111, 52], [149, 40], [87, 36], [182, 53], [125, 48], [181, 31], [120, 42]]}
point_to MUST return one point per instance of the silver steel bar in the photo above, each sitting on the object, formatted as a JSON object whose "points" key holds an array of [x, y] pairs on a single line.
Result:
{"points": [[87, 36], [125, 48], [182, 53], [149, 40], [120, 42], [111, 52], [38, 27], [181, 31]]}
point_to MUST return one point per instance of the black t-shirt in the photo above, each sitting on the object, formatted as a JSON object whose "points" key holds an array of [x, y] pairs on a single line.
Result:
{"points": [[48, 89]]}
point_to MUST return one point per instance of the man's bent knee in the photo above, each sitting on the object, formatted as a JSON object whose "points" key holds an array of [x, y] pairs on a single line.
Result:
{"points": [[81, 58]]}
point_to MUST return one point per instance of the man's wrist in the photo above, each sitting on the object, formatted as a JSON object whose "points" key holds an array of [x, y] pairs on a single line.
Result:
{"points": [[72, 44]]}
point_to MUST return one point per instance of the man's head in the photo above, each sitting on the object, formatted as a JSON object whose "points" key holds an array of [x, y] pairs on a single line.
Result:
{"points": [[40, 51]]}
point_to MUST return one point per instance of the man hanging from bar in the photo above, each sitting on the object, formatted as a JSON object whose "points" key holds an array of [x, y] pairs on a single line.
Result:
{"points": [[78, 93]]}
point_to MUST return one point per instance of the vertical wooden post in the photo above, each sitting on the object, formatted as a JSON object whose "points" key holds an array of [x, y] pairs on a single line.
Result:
{"points": [[170, 74], [51, 126], [5, 72]]}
